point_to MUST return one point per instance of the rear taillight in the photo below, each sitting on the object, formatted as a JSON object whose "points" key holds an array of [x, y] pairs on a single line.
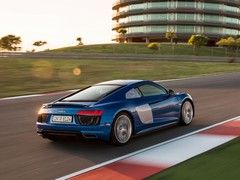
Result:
{"points": [[42, 118], [90, 112], [89, 117]]}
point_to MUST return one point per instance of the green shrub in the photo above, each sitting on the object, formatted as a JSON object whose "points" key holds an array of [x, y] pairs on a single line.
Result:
{"points": [[198, 40], [154, 46]]}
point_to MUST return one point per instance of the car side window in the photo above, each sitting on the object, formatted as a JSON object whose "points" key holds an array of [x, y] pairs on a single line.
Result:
{"points": [[133, 94], [151, 90]]}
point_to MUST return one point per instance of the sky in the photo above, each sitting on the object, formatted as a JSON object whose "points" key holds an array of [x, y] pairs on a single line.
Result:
{"points": [[59, 22]]}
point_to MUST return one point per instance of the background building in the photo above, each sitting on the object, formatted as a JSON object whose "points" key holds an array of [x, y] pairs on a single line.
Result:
{"points": [[149, 20]]}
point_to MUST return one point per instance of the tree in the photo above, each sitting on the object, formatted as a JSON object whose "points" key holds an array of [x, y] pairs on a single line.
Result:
{"points": [[122, 32], [10, 43], [231, 45], [39, 43], [79, 39], [197, 41], [238, 42], [223, 43], [227, 42], [238, 45], [171, 35]]}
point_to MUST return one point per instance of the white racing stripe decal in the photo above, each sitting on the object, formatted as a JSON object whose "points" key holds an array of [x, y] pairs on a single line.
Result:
{"points": [[145, 114]]}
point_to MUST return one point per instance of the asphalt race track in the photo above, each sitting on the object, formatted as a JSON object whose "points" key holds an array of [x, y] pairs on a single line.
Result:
{"points": [[24, 155]]}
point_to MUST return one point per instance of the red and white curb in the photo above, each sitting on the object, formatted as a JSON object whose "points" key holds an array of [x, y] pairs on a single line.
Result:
{"points": [[154, 159]]}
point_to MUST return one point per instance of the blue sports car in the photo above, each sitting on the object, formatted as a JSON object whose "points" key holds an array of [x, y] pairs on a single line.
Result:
{"points": [[114, 111]]}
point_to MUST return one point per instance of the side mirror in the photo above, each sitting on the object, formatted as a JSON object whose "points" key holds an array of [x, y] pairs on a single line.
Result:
{"points": [[171, 92]]}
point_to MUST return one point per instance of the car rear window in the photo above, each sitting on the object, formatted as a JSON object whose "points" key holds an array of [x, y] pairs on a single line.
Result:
{"points": [[92, 94], [150, 90]]}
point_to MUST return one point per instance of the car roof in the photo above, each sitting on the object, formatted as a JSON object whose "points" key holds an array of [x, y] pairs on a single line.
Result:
{"points": [[120, 82]]}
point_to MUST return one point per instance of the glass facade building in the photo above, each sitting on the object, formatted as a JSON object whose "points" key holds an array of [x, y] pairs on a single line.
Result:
{"points": [[149, 20]]}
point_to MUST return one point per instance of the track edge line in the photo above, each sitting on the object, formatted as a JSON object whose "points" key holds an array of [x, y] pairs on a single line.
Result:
{"points": [[143, 150]]}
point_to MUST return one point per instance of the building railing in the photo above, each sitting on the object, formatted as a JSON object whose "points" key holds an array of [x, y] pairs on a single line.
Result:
{"points": [[117, 15], [119, 3], [176, 22]]}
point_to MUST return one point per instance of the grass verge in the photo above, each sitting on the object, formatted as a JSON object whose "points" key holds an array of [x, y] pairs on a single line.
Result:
{"points": [[220, 163], [141, 48], [28, 76]]}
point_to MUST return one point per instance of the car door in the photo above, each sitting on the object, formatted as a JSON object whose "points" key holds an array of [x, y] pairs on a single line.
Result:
{"points": [[140, 109], [162, 104]]}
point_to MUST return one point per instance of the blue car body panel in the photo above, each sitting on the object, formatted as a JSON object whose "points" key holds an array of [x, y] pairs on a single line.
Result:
{"points": [[165, 110]]}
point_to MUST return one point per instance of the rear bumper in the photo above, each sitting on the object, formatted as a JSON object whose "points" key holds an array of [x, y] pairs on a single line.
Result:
{"points": [[99, 132]]}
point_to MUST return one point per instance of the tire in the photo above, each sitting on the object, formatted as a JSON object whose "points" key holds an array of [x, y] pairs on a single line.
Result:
{"points": [[187, 113], [122, 129]]}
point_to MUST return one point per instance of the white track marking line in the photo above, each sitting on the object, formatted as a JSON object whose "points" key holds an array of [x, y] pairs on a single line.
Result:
{"points": [[180, 79], [187, 78], [36, 95], [157, 81], [21, 97], [142, 150], [47, 94]]}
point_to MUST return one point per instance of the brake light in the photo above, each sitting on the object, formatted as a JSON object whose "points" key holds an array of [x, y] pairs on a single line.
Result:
{"points": [[90, 113], [89, 117]]}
